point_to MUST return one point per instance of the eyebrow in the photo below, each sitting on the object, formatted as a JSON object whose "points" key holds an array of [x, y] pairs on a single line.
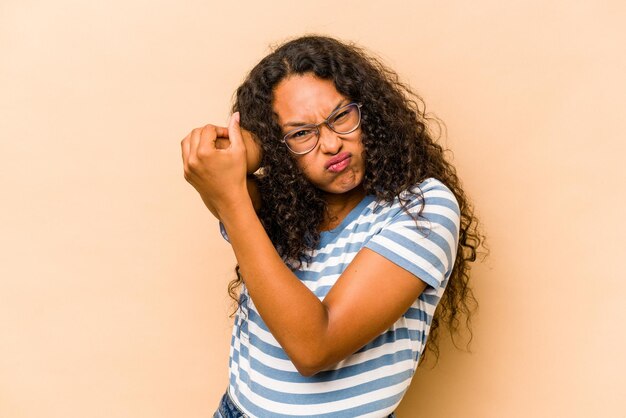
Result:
{"points": [[304, 123]]}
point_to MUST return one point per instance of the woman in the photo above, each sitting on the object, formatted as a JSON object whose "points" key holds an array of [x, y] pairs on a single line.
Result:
{"points": [[346, 238]]}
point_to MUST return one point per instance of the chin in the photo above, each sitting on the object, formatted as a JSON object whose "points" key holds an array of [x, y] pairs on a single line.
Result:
{"points": [[345, 184]]}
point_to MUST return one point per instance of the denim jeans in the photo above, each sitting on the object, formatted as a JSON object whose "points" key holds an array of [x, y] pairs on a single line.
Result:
{"points": [[228, 409]]}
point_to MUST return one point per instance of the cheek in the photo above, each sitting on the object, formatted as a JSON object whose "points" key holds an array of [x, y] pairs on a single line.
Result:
{"points": [[358, 144], [304, 165], [360, 151], [311, 171]]}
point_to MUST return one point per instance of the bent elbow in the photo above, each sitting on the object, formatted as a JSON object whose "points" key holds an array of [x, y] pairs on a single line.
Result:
{"points": [[310, 365], [307, 371]]}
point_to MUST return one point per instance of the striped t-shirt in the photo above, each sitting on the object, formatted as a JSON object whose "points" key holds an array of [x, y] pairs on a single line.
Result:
{"points": [[371, 382]]}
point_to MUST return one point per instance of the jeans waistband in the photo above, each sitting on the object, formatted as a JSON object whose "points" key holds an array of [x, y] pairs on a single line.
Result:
{"points": [[228, 409]]}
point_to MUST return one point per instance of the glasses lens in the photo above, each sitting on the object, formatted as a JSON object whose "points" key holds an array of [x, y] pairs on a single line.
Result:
{"points": [[346, 119], [301, 140]]}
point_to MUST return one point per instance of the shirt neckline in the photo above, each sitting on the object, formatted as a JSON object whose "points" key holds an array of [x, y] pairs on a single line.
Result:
{"points": [[349, 217]]}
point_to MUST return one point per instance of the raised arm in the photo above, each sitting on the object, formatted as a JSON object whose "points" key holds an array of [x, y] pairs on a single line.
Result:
{"points": [[370, 295], [253, 162], [253, 192]]}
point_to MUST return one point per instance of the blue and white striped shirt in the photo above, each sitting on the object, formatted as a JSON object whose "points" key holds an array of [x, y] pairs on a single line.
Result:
{"points": [[372, 381]]}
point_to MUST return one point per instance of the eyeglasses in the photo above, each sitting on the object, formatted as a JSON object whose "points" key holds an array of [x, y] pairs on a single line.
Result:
{"points": [[342, 121]]}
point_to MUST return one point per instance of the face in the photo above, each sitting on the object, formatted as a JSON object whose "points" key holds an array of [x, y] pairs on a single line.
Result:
{"points": [[306, 99]]}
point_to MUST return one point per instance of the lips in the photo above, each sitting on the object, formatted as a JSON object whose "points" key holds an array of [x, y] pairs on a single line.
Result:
{"points": [[337, 159]]}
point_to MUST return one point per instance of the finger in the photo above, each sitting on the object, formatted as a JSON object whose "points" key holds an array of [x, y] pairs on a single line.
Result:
{"points": [[221, 131], [234, 132], [185, 146], [194, 142], [207, 139]]}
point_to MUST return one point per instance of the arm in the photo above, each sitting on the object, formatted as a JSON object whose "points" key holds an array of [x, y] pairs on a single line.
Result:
{"points": [[314, 334], [371, 294], [253, 192]]}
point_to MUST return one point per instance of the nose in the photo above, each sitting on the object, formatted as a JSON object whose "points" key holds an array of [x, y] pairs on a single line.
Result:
{"points": [[330, 143]]}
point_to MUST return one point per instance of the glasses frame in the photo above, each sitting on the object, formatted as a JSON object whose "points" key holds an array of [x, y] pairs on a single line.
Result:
{"points": [[324, 122]]}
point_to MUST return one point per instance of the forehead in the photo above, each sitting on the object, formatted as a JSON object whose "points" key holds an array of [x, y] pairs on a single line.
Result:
{"points": [[305, 98]]}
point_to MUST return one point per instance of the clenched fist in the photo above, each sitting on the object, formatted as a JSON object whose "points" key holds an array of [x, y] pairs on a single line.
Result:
{"points": [[216, 160]]}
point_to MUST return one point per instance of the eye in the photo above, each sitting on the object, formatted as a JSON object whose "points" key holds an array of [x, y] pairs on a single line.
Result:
{"points": [[301, 135], [341, 115]]}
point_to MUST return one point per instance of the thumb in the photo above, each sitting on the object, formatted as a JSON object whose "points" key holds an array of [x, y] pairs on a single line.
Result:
{"points": [[234, 131]]}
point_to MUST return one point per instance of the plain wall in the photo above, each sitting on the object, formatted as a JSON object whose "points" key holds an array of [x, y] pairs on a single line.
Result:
{"points": [[113, 274]]}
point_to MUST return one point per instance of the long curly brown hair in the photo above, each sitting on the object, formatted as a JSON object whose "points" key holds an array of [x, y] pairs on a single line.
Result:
{"points": [[400, 151]]}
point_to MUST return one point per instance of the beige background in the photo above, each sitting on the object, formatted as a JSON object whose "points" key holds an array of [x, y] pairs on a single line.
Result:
{"points": [[113, 274]]}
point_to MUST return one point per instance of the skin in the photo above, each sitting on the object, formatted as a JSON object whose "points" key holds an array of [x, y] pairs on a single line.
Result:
{"points": [[370, 295], [253, 162], [307, 99]]}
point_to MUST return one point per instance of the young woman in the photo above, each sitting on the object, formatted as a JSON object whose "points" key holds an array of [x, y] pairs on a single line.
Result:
{"points": [[353, 239]]}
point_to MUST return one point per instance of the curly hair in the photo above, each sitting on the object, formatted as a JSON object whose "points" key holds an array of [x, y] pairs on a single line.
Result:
{"points": [[399, 149]]}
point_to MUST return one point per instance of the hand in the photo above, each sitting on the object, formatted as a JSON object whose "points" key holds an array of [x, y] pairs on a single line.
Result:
{"points": [[253, 149], [254, 152], [217, 173]]}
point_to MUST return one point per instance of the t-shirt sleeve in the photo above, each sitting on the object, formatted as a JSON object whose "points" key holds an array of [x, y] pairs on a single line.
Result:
{"points": [[426, 248]]}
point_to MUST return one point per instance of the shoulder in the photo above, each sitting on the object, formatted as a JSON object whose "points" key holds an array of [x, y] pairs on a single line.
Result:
{"points": [[426, 195], [420, 231], [429, 188]]}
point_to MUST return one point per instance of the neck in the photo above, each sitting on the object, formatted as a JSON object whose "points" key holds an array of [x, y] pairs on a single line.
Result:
{"points": [[339, 205]]}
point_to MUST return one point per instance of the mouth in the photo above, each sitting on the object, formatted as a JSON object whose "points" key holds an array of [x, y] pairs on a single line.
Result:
{"points": [[339, 162]]}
